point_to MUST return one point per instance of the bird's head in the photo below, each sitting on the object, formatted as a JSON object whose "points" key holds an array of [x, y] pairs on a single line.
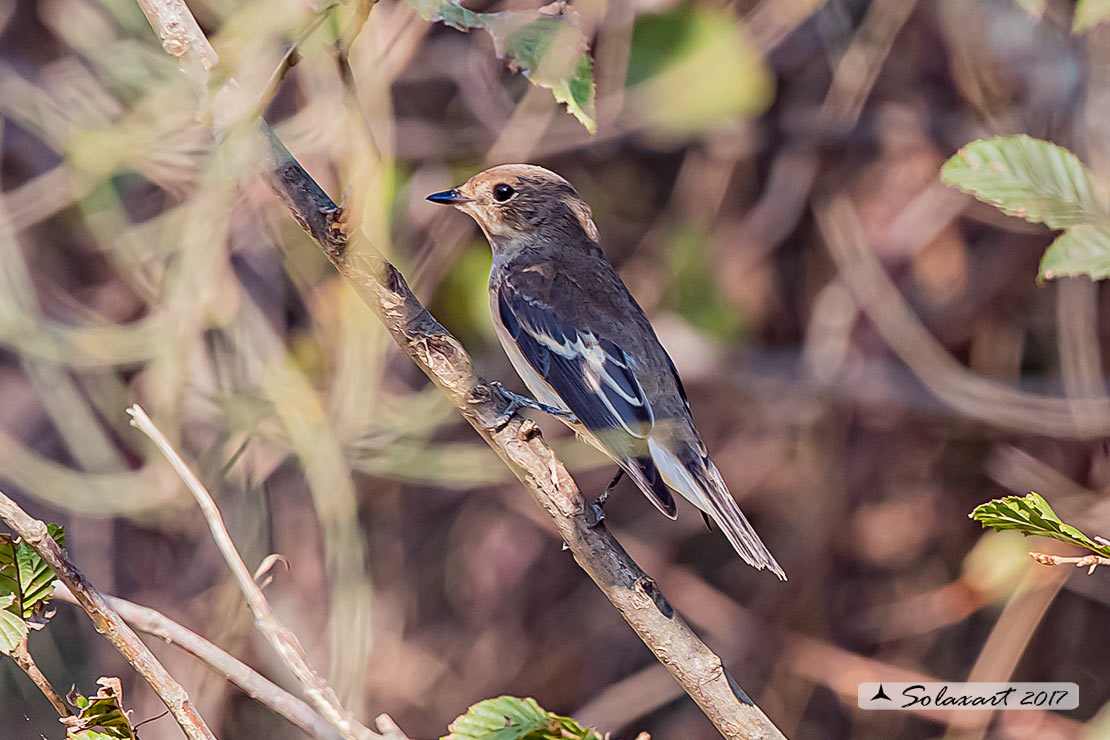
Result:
{"points": [[519, 204]]}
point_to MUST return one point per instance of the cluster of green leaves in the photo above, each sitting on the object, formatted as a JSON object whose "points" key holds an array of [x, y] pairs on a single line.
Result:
{"points": [[510, 718], [547, 45], [1088, 13], [26, 584], [100, 717], [1031, 515], [1043, 183]]}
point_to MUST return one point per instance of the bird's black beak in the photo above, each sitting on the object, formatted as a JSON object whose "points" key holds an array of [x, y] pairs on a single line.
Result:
{"points": [[450, 197]]}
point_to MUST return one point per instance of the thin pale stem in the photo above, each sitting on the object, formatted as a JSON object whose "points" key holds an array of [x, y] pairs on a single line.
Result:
{"points": [[1090, 562], [254, 684], [23, 659], [283, 641]]}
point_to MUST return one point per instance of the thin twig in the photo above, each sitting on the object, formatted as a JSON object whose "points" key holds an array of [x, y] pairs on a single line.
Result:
{"points": [[1090, 562], [254, 684], [179, 31], [23, 659], [106, 620], [181, 37], [284, 642]]}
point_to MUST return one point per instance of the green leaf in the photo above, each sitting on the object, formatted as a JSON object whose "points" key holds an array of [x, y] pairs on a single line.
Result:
{"points": [[503, 718], [1088, 14], [91, 735], [693, 69], [12, 628], [101, 717], [1081, 250], [1031, 514], [1028, 178], [571, 729], [25, 576], [547, 45], [510, 718]]}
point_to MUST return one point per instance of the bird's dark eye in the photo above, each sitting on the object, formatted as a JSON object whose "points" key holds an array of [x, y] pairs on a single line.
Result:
{"points": [[502, 192]]}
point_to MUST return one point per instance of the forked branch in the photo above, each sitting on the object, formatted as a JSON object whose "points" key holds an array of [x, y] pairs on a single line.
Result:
{"points": [[106, 620]]}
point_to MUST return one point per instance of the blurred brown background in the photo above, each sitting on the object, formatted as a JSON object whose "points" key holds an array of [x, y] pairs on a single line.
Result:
{"points": [[139, 262]]}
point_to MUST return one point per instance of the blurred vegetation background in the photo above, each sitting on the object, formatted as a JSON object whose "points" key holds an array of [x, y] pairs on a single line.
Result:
{"points": [[141, 261]]}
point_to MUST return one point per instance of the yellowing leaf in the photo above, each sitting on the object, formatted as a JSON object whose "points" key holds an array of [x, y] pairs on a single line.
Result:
{"points": [[1035, 8], [692, 70], [1088, 14]]}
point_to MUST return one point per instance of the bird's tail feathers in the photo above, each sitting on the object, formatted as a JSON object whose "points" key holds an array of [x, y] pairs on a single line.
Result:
{"points": [[646, 476], [693, 474]]}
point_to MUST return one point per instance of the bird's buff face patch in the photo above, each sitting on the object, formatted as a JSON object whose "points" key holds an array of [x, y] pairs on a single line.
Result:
{"points": [[518, 204]]}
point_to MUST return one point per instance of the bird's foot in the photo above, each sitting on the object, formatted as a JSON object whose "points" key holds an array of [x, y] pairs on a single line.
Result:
{"points": [[596, 513], [517, 402]]}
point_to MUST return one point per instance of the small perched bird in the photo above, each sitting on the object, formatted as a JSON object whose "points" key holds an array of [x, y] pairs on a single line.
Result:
{"points": [[584, 347]]}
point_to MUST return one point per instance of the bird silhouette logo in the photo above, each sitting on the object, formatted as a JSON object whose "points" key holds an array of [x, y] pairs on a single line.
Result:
{"points": [[880, 694]]}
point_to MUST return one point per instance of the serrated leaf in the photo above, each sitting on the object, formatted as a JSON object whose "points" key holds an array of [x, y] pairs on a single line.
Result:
{"points": [[1088, 14], [101, 717], [572, 730], [26, 576], [1031, 515], [503, 718], [12, 628], [510, 718], [1081, 250], [90, 735], [547, 45], [1028, 178]]}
